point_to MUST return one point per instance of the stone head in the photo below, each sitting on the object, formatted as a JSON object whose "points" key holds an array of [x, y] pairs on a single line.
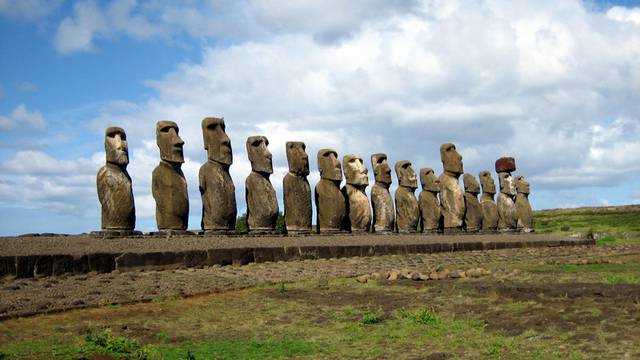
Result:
{"points": [[297, 158], [354, 170], [486, 180], [451, 159], [506, 184], [259, 154], [406, 175], [381, 168], [470, 184], [169, 142], [522, 185], [115, 146], [329, 165], [216, 141], [505, 164], [429, 180]]}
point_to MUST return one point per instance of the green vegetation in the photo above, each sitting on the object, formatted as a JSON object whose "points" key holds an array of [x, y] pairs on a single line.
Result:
{"points": [[607, 225], [242, 227]]}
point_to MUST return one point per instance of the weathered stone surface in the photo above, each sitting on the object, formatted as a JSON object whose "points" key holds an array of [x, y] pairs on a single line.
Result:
{"points": [[473, 215], [428, 202], [505, 164], [357, 203], [523, 207], [168, 184], [507, 215], [489, 206], [114, 183], [219, 210], [407, 210], [297, 191], [451, 194], [262, 205], [330, 202], [381, 201]]}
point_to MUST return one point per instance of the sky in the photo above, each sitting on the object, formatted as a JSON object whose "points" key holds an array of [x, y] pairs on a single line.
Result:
{"points": [[555, 84]]}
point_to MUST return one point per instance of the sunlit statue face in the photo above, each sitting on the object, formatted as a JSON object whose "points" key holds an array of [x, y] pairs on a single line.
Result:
{"points": [[429, 180], [297, 158], [381, 168], [451, 159], [115, 146], [522, 185], [216, 141], [259, 154], [354, 170], [169, 142], [406, 175], [506, 184], [329, 165], [486, 180], [470, 184]]}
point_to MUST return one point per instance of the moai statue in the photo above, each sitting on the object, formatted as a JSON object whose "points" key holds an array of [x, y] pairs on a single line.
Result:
{"points": [[451, 194], [523, 207], [330, 202], [216, 186], [356, 201], [489, 207], [381, 202], [407, 210], [168, 185], [473, 215], [507, 215], [114, 185], [262, 205], [428, 202], [297, 191]]}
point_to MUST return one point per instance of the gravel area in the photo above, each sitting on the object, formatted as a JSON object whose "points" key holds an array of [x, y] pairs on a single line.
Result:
{"points": [[20, 297]]}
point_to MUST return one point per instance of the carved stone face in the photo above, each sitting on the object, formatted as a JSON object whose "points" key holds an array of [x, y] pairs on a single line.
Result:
{"points": [[216, 141], [381, 168], [406, 175], [169, 142], [451, 159], [329, 165], [354, 170], [470, 184], [506, 184], [486, 180], [522, 185], [259, 154], [297, 158], [429, 180], [115, 146]]}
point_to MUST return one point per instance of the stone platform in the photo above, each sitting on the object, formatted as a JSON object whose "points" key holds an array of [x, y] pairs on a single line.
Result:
{"points": [[55, 255]]}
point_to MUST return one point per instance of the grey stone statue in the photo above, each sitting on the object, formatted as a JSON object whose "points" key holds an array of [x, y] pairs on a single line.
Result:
{"points": [[430, 215], [330, 202], [219, 209], [451, 194], [262, 205], [473, 216], [357, 206], [381, 201], [489, 206], [407, 210], [168, 184], [114, 185], [297, 191], [523, 207], [507, 215]]}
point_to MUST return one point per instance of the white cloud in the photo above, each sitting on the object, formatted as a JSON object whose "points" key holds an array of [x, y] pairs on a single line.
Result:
{"points": [[28, 10], [624, 14], [22, 118]]}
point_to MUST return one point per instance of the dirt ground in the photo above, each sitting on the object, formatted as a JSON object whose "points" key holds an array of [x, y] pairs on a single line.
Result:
{"points": [[21, 297]]}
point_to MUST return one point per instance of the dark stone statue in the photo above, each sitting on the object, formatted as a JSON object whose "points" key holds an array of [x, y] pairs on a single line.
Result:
{"points": [[357, 203], [428, 202], [262, 205], [451, 194], [330, 202], [489, 206], [407, 210], [473, 215], [297, 191], [381, 201]]}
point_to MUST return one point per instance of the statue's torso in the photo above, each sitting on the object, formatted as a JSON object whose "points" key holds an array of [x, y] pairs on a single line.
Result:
{"points": [[297, 203], [507, 216], [452, 201], [473, 215], [358, 207], [407, 210], [489, 214], [262, 205], [383, 210], [219, 210], [429, 210], [116, 197], [330, 205], [169, 188]]}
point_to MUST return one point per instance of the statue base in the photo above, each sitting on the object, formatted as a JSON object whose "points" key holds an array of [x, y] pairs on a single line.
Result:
{"points": [[431, 231], [262, 231], [116, 233], [453, 231], [218, 232], [296, 232], [171, 232]]}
